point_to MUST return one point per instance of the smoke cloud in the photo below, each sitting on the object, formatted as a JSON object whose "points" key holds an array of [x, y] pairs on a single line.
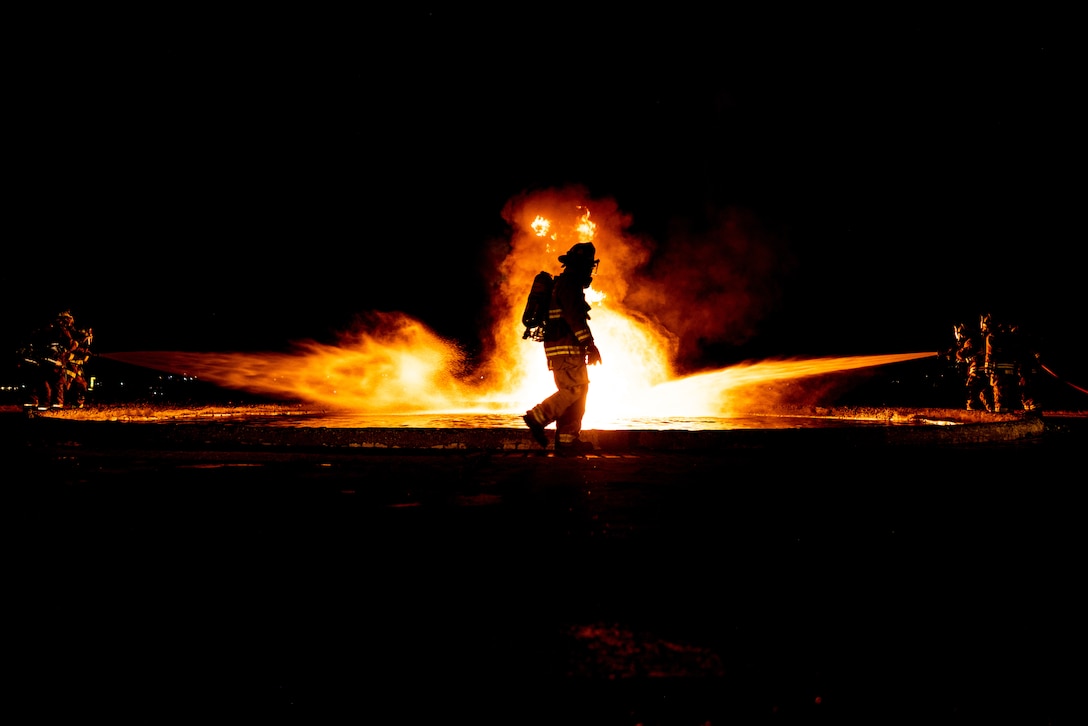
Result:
{"points": [[706, 285]]}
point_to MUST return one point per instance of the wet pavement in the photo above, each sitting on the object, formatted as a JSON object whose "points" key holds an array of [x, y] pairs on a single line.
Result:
{"points": [[791, 576]]}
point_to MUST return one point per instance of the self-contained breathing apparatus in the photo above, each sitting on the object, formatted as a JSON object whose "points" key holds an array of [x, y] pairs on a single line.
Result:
{"points": [[535, 314], [538, 303]]}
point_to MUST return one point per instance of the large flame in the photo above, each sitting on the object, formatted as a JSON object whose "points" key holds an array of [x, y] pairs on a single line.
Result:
{"points": [[393, 363]]}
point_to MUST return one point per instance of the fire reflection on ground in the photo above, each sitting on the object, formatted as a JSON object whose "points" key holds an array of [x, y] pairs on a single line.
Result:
{"points": [[297, 416], [502, 421]]}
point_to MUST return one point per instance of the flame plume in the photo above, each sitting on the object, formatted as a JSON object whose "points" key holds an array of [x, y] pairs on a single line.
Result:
{"points": [[393, 363]]}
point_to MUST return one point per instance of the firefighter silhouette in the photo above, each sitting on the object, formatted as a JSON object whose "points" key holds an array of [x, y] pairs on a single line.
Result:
{"points": [[1001, 364], [568, 348], [1028, 368], [970, 354], [44, 360], [77, 386]]}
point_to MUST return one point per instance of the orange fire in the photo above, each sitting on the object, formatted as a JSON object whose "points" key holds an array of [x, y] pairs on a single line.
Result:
{"points": [[395, 364]]}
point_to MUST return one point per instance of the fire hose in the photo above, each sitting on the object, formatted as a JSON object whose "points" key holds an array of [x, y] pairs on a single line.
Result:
{"points": [[1059, 378]]}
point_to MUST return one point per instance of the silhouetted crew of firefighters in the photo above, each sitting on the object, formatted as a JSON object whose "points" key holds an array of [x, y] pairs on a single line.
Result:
{"points": [[1000, 364], [569, 348], [52, 364]]}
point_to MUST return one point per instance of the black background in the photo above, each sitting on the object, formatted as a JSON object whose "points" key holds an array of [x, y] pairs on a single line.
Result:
{"points": [[236, 182]]}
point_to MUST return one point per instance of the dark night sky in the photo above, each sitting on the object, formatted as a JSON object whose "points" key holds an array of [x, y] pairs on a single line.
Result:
{"points": [[198, 185]]}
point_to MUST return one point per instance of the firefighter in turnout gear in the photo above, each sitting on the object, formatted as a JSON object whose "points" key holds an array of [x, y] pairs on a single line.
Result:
{"points": [[1028, 369], [60, 337], [77, 377], [1001, 365], [970, 354], [569, 349], [43, 361]]}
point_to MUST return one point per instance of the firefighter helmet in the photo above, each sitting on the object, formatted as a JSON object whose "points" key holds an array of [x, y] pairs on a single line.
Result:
{"points": [[581, 256]]}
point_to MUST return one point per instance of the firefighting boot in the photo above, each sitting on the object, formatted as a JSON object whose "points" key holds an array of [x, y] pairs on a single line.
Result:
{"points": [[536, 428]]}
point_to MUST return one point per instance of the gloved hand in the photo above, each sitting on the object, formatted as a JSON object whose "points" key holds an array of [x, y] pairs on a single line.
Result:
{"points": [[593, 356]]}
